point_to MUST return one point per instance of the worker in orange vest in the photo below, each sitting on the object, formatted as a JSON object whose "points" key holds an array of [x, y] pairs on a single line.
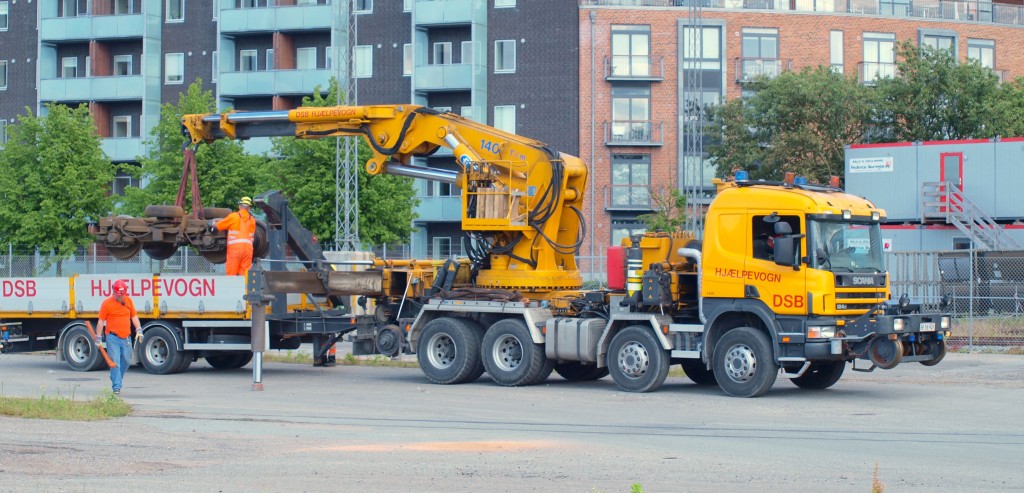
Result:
{"points": [[241, 228], [114, 330]]}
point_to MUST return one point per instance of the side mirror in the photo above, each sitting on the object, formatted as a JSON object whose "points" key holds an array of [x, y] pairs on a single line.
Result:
{"points": [[787, 251]]}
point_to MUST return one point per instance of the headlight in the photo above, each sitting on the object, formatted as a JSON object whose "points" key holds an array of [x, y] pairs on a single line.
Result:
{"points": [[944, 323], [899, 324], [820, 331]]}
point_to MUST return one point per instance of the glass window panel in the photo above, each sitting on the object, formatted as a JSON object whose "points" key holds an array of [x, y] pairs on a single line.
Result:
{"points": [[123, 65], [247, 61], [363, 61], [305, 58], [175, 10], [174, 68], [407, 59]]}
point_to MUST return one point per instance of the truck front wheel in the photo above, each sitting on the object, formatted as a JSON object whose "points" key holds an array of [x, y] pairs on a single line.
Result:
{"points": [[511, 357], [743, 363], [820, 375], [636, 360], [159, 352], [80, 351], [449, 351]]}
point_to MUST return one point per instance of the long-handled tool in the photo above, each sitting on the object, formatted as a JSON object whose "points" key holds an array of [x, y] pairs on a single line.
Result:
{"points": [[103, 351]]}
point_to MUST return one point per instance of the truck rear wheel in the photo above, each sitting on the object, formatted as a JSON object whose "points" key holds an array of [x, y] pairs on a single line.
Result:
{"points": [[229, 360], [511, 357], [743, 363], [636, 360], [159, 354], [578, 372], [820, 375], [449, 351], [80, 351], [698, 372]]}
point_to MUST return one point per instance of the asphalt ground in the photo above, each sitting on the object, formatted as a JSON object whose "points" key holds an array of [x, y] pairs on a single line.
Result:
{"points": [[958, 426]]}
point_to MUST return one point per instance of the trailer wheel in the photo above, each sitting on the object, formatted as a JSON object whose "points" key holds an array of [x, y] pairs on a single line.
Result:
{"points": [[160, 251], [159, 354], [636, 360], [698, 372], [164, 211], [261, 241], [229, 360], [820, 375], [885, 353], [215, 212], [743, 363], [126, 252], [511, 357], [449, 351], [938, 348], [215, 256], [80, 350], [578, 372]]}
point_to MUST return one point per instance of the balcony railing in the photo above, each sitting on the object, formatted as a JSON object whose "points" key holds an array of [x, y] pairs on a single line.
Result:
{"points": [[970, 11], [634, 67], [634, 133], [630, 197], [748, 69], [870, 72]]}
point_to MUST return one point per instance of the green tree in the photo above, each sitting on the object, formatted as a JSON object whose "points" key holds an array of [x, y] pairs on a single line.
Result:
{"points": [[935, 97], [669, 212], [225, 171], [306, 174], [55, 180], [798, 121], [1008, 109]]}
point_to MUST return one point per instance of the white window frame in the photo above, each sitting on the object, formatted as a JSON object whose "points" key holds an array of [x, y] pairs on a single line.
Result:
{"points": [[176, 60], [251, 55], [407, 59], [5, 15], [504, 69], [466, 52], [442, 51], [303, 54], [88, 66], [167, 11], [4, 75], [504, 126], [3, 132], [126, 121], [363, 7], [122, 59], [836, 47], [975, 46], [270, 59], [362, 64], [407, 5], [65, 66], [214, 66], [504, 4]]}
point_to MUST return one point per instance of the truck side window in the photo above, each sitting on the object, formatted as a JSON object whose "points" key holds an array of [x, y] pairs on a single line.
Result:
{"points": [[764, 234]]}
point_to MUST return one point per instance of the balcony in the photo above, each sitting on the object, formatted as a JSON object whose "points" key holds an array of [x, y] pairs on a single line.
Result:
{"points": [[439, 209], [630, 197], [870, 72], [968, 11], [86, 27], [634, 67], [442, 12], [275, 18], [448, 77], [634, 133], [272, 82], [749, 69], [115, 88], [122, 149]]}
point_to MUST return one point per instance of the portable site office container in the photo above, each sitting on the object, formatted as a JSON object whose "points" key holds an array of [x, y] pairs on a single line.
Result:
{"points": [[990, 172]]}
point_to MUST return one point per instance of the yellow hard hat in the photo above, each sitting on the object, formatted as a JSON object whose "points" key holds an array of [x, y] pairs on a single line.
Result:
{"points": [[245, 201]]}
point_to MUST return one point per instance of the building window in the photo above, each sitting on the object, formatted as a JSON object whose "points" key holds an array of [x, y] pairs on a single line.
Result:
{"points": [[122, 183], [175, 10], [900, 8], [505, 118], [760, 54], [122, 7], [631, 113], [505, 56], [499, 4], [3, 132], [215, 66], [305, 58], [69, 67], [247, 61], [407, 59], [364, 6], [631, 181], [123, 65], [362, 61], [174, 68], [270, 59], [442, 53], [983, 51], [4, 15], [442, 247], [835, 39], [626, 229], [939, 42], [467, 52], [879, 56], [122, 127], [249, 4], [3, 75], [406, 5], [631, 49]]}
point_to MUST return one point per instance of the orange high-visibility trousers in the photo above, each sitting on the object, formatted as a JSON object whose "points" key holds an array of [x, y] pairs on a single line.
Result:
{"points": [[239, 259]]}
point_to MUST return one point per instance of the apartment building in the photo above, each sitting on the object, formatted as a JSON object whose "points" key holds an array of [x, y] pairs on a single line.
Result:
{"points": [[642, 75]]}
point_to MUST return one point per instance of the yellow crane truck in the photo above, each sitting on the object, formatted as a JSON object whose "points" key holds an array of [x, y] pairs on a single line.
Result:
{"points": [[789, 280]]}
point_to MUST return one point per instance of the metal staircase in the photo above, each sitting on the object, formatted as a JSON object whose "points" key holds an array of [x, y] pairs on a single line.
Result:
{"points": [[943, 201]]}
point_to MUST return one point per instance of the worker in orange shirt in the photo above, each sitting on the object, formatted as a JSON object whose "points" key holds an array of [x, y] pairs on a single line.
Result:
{"points": [[241, 228], [117, 316]]}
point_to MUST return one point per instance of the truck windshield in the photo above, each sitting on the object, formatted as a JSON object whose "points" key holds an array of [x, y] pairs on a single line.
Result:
{"points": [[845, 246]]}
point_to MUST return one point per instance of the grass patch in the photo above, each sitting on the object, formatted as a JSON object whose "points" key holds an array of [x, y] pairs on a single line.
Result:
{"points": [[288, 357], [104, 406], [877, 486], [376, 360]]}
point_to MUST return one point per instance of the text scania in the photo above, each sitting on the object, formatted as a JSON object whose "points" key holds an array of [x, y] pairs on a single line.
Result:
{"points": [[162, 287], [752, 275]]}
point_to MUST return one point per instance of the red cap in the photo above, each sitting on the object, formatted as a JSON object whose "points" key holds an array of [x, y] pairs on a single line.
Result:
{"points": [[120, 287]]}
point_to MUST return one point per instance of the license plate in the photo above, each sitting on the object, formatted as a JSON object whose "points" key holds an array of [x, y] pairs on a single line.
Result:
{"points": [[927, 326]]}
